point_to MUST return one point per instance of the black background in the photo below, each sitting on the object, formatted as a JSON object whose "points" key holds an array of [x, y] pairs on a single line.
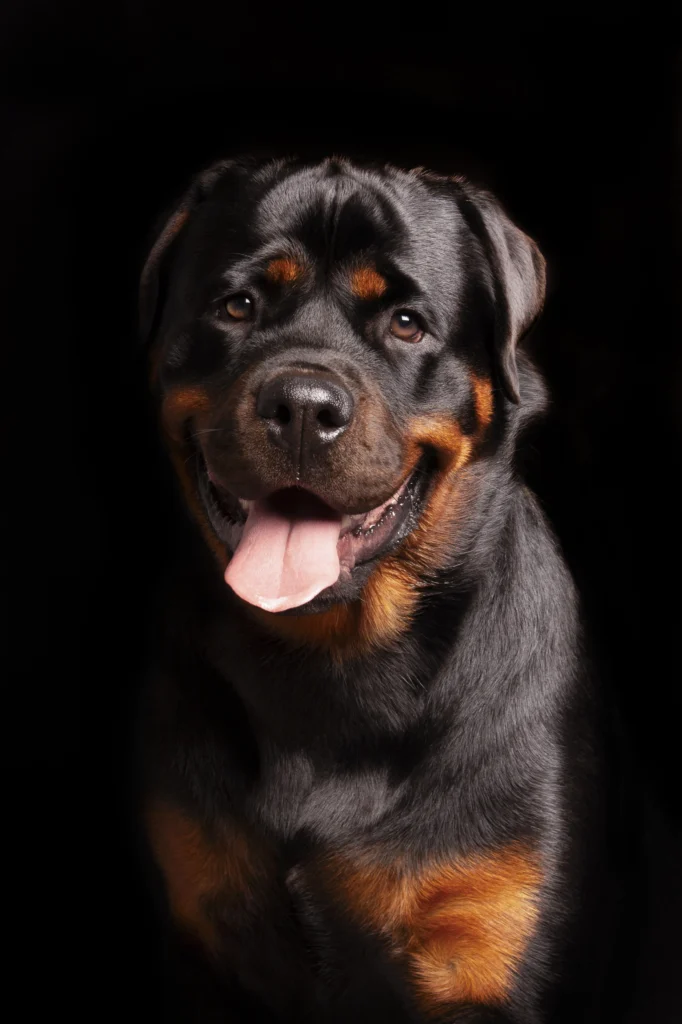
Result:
{"points": [[574, 122]]}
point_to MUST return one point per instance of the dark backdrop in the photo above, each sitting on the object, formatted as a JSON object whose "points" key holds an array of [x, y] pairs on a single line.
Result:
{"points": [[574, 122]]}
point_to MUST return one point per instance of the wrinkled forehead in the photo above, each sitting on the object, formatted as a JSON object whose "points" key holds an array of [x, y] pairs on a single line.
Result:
{"points": [[335, 219]]}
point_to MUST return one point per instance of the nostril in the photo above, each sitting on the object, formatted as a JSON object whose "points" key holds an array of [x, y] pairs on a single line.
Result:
{"points": [[328, 418], [282, 415]]}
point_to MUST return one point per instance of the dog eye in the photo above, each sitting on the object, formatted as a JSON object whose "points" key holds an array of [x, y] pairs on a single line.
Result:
{"points": [[239, 307], [406, 326]]}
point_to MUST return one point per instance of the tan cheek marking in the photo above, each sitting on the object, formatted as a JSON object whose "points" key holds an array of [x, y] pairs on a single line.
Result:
{"points": [[197, 869], [284, 271], [367, 283], [177, 407], [392, 592], [483, 400], [459, 928]]}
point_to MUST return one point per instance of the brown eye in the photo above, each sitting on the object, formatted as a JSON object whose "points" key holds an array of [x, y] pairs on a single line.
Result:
{"points": [[406, 326], [239, 307]]}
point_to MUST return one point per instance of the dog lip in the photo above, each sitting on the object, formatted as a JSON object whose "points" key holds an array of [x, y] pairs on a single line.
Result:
{"points": [[350, 520], [356, 523], [370, 520], [363, 536]]}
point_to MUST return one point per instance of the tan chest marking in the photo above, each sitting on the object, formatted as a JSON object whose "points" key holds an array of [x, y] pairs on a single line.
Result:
{"points": [[199, 868], [460, 929], [178, 407]]}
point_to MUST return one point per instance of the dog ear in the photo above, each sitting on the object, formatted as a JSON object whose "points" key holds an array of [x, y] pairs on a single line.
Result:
{"points": [[518, 277], [167, 233]]}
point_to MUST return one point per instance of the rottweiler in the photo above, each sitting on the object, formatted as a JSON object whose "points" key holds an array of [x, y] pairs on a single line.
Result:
{"points": [[369, 780]]}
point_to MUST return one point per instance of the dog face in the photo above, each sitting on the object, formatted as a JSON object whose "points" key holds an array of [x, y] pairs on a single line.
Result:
{"points": [[333, 348]]}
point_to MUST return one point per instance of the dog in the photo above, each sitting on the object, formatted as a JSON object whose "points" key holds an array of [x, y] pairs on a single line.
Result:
{"points": [[369, 780]]}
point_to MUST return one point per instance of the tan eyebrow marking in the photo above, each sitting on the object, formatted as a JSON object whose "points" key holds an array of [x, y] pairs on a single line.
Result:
{"points": [[284, 270], [367, 283]]}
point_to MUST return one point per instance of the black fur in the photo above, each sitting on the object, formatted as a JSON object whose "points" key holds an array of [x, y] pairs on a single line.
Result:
{"points": [[470, 731]]}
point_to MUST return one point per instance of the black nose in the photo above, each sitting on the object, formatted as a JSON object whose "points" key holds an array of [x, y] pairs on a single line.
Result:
{"points": [[305, 411]]}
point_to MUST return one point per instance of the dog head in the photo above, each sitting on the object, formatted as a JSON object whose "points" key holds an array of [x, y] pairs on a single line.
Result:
{"points": [[334, 349]]}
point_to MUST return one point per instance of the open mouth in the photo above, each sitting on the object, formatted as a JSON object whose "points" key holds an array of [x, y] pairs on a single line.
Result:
{"points": [[289, 547]]}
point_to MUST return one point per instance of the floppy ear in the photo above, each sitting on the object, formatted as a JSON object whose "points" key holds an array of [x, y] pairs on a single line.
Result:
{"points": [[151, 272], [518, 272], [166, 235]]}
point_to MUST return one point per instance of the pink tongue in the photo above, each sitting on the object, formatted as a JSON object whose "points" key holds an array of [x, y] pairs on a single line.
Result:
{"points": [[287, 553]]}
